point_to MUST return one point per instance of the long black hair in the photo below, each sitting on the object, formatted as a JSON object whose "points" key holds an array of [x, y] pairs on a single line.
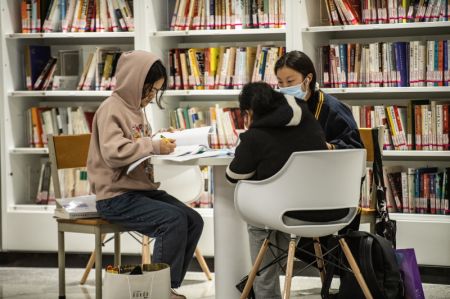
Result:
{"points": [[156, 72], [300, 62], [260, 98]]}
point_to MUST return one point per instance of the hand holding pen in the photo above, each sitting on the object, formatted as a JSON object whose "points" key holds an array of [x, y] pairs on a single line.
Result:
{"points": [[166, 145]]}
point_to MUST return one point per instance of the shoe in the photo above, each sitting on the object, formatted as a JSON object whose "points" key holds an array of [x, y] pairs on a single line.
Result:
{"points": [[175, 295]]}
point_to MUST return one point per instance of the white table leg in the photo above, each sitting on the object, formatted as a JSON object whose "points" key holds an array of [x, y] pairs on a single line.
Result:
{"points": [[231, 248]]}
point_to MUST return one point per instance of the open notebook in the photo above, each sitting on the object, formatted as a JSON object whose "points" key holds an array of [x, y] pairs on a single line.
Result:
{"points": [[191, 144]]}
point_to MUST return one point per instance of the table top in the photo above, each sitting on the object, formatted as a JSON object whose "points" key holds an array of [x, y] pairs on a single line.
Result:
{"points": [[210, 161]]}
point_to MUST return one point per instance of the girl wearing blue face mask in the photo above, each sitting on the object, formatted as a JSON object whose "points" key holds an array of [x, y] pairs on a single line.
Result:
{"points": [[297, 77]]}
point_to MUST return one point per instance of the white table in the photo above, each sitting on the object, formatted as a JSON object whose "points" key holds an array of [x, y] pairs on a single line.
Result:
{"points": [[231, 247]]}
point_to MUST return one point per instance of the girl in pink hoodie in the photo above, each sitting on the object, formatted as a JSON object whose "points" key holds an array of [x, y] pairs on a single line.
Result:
{"points": [[121, 135]]}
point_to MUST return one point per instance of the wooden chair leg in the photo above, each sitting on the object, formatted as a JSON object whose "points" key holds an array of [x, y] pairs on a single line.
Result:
{"points": [[145, 250], [319, 259], [355, 269], [289, 269], [90, 264], [202, 263], [252, 275]]}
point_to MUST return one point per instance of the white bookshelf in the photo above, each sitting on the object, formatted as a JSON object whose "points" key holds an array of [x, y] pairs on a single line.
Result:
{"points": [[202, 93], [391, 92], [426, 233], [159, 40], [74, 35], [59, 93], [26, 226], [28, 151], [221, 32]]}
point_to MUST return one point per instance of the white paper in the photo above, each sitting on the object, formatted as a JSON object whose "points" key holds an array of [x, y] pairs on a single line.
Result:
{"points": [[189, 142], [187, 157], [197, 136]]}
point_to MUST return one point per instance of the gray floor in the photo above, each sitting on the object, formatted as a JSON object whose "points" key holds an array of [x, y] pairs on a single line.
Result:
{"points": [[42, 283]]}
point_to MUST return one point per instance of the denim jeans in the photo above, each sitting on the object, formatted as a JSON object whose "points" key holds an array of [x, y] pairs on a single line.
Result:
{"points": [[175, 227]]}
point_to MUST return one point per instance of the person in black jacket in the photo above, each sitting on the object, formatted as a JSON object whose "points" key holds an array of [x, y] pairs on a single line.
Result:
{"points": [[277, 125]]}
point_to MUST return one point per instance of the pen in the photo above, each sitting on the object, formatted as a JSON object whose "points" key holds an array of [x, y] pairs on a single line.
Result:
{"points": [[166, 140]]}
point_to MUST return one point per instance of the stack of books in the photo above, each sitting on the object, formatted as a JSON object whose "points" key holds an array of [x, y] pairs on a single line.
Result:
{"points": [[77, 15], [420, 125], [396, 64], [228, 14], [222, 67], [353, 12]]}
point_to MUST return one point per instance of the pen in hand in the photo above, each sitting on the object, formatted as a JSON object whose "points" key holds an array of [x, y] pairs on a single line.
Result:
{"points": [[167, 145]]}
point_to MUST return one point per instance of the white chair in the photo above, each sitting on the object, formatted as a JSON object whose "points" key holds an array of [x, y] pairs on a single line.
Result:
{"points": [[310, 181], [186, 184]]}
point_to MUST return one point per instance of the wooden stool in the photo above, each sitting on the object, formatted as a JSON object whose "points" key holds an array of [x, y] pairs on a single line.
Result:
{"points": [[97, 227]]}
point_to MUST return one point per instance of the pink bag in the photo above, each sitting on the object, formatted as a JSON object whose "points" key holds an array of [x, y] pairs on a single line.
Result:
{"points": [[406, 259]]}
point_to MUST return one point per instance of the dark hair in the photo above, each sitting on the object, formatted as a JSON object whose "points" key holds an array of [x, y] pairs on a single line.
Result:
{"points": [[156, 72], [300, 62], [259, 97]]}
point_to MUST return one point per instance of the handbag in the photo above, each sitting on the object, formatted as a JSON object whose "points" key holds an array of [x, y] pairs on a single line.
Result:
{"points": [[150, 281], [406, 260], [385, 226]]}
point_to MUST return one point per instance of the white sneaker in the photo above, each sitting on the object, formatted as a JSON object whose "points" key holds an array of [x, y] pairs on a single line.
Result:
{"points": [[175, 295]]}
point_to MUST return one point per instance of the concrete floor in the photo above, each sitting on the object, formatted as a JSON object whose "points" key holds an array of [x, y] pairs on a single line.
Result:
{"points": [[42, 283]]}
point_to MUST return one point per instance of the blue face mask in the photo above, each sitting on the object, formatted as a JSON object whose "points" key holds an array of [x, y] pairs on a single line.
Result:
{"points": [[295, 91]]}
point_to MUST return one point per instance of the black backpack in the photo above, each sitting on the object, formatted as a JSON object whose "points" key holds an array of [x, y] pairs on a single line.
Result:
{"points": [[376, 260]]}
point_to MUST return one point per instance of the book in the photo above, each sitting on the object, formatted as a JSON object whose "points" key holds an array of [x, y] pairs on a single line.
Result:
{"points": [[76, 207], [191, 144]]}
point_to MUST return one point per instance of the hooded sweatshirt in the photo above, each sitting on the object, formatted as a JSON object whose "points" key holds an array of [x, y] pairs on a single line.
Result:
{"points": [[120, 134], [271, 139]]}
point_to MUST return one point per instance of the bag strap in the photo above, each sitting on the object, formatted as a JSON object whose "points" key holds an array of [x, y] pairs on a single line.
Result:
{"points": [[379, 177]]}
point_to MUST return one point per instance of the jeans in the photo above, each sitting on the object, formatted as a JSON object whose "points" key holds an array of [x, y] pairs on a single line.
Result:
{"points": [[175, 227]]}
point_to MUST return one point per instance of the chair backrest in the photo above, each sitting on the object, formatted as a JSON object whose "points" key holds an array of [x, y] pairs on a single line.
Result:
{"points": [[184, 182], [309, 181], [67, 151], [366, 137]]}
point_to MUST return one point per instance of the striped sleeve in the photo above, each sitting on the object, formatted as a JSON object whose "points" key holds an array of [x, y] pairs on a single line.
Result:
{"points": [[243, 166]]}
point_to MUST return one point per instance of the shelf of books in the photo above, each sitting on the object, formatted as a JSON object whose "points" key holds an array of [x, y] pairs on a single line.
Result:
{"points": [[415, 155], [391, 92], [74, 35], [60, 93], [390, 64], [58, 62], [202, 93], [29, 151], [221, 32], [442, 25]]}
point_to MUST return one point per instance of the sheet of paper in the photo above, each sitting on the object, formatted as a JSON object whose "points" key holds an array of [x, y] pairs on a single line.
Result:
{"points": [[206, 154], [196, 136]]}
